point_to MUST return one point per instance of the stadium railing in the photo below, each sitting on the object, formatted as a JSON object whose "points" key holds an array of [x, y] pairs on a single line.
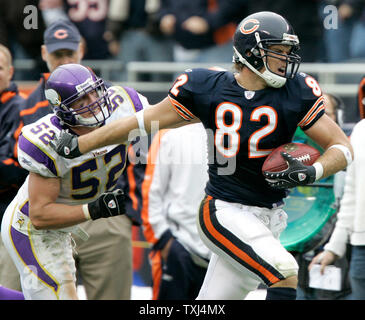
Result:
{"points": [[338, 78]]}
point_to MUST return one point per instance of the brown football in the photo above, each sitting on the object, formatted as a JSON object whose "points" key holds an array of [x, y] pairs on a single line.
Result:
{"points": [[300, 151]]}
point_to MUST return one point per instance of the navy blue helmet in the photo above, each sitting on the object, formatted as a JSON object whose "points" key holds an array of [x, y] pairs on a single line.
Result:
{"points": [[251, 45]]}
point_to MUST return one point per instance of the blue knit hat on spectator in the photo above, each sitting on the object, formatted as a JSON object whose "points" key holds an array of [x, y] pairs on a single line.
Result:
{"points": [[61, 34]]}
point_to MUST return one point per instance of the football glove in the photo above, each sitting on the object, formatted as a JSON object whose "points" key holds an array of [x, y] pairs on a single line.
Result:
{"points": [[66, 145], [297, 174], [109, 204]]}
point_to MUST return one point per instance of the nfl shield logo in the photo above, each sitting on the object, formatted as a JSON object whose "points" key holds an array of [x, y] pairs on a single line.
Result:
{"points": [[249, 94]]}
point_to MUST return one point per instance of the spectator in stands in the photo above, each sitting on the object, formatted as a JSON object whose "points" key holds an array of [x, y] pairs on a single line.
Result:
{"points": [[176, 175], [62, 45], [11, 174], [350, 224], [305, 19], [133, 35], [97, 276], [343, 40], [88, 16], [22, 31], [202, 30], [361, 99], [334, 107]]}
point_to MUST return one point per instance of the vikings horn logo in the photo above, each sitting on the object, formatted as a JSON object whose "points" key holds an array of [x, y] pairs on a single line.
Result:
{"points": [[53, 97], [254, 23]]}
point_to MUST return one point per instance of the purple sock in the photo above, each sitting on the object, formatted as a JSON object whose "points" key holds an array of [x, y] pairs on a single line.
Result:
{"points": [[10, 294]]}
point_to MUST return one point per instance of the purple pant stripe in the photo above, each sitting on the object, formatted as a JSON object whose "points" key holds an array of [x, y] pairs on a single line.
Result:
{"points": [[24, 248]]}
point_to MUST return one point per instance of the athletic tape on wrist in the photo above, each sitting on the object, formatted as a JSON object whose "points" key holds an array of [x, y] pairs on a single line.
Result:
{"points": [[346, 152], [140, 119], [85, 210], [319, 170]]}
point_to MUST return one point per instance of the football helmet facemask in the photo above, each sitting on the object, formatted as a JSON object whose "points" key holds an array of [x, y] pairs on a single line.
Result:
{"points": [[253, 39], [71, 82]]}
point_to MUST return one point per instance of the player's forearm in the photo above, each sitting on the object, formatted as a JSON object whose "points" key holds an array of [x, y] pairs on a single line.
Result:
{"points": [[114, 133], [334, 160], [56, 216], [159, 116]]}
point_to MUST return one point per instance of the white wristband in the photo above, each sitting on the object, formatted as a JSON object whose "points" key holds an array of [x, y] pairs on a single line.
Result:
{"points": [[85, 210], [140, 119], [319, 170], [346, 152]]}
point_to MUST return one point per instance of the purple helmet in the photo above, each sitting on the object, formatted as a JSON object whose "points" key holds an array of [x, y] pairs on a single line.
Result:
{"points": [[70, 82]]}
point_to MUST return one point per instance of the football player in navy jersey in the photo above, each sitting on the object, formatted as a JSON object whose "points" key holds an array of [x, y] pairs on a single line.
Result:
{"points": [[247, 114]]}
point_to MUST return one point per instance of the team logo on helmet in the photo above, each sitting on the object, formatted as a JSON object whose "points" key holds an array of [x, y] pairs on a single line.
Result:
{"points": [[255, 24], [53, 97]]}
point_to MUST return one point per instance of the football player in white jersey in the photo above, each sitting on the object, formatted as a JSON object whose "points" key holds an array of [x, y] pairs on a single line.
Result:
{"points": [[59, 193]]}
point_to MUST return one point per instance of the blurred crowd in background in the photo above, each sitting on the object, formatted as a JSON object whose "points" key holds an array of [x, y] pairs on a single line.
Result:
{"points": [[179, 30]]}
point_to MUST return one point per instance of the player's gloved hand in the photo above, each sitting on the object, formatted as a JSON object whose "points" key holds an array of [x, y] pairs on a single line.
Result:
{"points": [[297, 174], [66, 145], [109, 204]]}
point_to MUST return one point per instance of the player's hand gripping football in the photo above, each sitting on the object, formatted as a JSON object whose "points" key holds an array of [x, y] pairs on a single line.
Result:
{"points": [[66, 145], [297, 174], [109, 204]]}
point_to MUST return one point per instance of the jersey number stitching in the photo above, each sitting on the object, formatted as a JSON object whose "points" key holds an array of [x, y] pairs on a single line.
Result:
{"points": [[79, 181], [313, 84], [231, 130], [181, 80]]}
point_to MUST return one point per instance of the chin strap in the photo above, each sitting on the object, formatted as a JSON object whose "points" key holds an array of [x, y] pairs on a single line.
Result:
{"points": [[270, 78]]}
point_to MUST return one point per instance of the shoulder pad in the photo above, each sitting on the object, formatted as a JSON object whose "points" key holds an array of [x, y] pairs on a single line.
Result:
{"points": [[310, 89], [34, 151], [126, 101]]}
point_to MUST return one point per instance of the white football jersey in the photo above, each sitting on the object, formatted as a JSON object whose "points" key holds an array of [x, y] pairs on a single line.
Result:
{"points": [[83, 179], [44, 257]]}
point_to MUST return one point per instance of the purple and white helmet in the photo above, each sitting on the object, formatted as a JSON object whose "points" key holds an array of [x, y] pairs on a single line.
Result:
{"points": [[70, 82]]}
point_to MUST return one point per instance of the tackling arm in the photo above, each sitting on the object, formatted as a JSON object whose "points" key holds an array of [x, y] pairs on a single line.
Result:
{"points": [[118, 131], [159, 116]]}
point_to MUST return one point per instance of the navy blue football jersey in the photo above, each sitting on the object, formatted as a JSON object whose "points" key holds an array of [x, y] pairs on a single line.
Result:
{"points": [[244, 126]]}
